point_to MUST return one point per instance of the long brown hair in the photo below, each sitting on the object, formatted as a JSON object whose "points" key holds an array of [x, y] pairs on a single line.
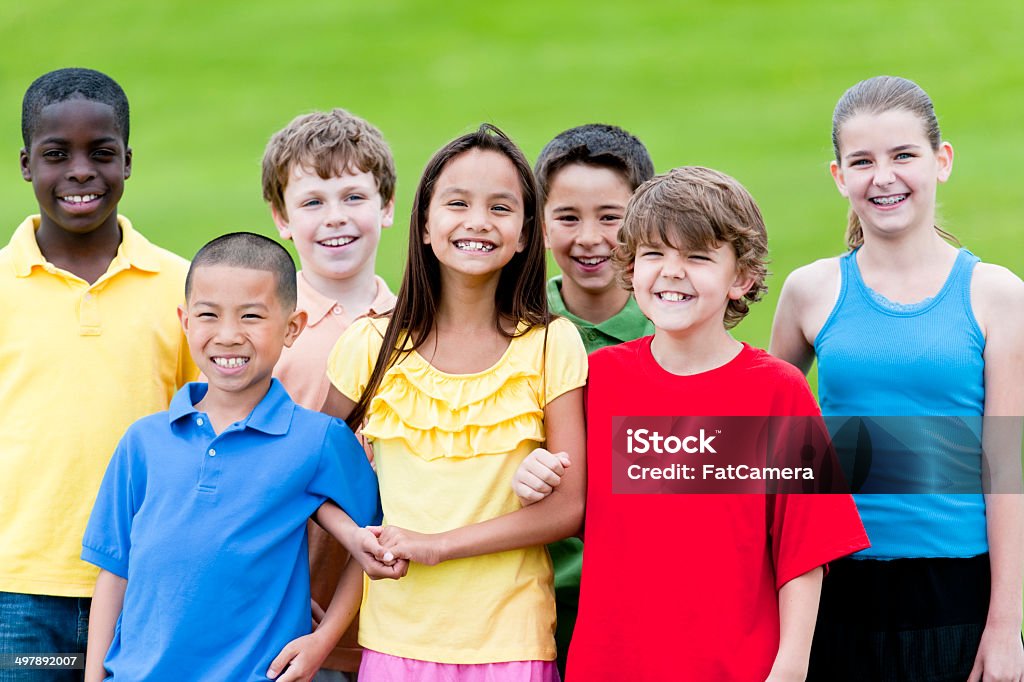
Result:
{"points": [[876, 96], [520, 295]]}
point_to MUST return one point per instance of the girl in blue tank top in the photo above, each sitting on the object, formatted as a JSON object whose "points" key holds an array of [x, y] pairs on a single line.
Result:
{"points": [[922, 341]]}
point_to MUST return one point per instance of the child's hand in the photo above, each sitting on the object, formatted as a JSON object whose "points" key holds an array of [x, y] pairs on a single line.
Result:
{"points": [[405, 544], [1000, 656], [538, 475], [376, 560], [302, 657]]}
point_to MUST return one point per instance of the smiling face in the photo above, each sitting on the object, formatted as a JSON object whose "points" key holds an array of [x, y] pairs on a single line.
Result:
{"points": [[475, 218], [582, 213], [889, 171], [77, 163], [334, 222], [236, 328], [686, 292]]}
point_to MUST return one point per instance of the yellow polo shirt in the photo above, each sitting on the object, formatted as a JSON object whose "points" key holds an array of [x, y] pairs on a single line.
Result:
{"points": [[78, 364]]}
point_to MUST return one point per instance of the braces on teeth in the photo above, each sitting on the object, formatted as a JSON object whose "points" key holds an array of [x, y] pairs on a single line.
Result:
{"points": [[888, 201]]}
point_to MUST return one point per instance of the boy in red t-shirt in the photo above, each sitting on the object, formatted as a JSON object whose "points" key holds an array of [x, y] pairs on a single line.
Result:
{"points": [[697, 586]]}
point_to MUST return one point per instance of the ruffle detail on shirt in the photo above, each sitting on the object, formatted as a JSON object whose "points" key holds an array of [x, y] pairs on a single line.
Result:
{"points": [[437, 415]]}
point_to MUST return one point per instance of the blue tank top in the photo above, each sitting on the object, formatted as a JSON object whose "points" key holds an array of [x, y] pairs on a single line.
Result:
{"points": [[881, 359]]}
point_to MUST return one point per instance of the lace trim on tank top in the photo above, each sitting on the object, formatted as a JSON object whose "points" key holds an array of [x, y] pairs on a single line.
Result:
{"points": [[898, 307]]}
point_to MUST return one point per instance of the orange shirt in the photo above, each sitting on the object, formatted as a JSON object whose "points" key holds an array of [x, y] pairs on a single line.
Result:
{"points": [[303, 371], [303, 367]]}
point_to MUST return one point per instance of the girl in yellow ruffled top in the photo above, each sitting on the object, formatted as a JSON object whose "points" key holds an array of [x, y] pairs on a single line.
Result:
{"points": [[476, 375]]}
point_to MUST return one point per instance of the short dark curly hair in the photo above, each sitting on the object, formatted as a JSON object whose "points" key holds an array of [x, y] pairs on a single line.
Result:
{"points": [[594, 144], [72, 83], [697, 208]]}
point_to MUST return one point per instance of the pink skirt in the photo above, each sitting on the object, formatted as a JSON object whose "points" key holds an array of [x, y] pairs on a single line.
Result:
{"points": [[378, 667]]}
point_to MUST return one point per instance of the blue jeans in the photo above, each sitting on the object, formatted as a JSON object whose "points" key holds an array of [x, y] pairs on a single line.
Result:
{"points": [[38, 624]]}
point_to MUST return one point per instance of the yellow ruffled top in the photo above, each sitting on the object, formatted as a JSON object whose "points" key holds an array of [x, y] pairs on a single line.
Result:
{"points": [[446, 447]]}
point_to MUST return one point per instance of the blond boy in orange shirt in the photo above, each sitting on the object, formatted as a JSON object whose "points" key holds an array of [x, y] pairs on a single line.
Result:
{"points": [[329, 178]]}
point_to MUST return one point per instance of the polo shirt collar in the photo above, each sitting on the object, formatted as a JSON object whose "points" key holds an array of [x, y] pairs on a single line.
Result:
{"points": [[272, 415], [138, 251], [318, 306], [622, 325], [134, 251]]}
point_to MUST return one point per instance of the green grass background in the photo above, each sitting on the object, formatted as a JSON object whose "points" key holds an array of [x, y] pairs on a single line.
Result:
{"points": [[746, 87]]}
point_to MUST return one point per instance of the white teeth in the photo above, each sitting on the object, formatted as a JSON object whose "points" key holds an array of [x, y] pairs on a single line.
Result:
{"points": [[230, 363], [673, 296], [80, 198], [338, 241], [889, 201], [592, 260], [468, 245]]}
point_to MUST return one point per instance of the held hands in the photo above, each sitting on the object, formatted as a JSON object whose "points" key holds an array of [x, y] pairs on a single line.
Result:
{"points": [[407, 545], [539, 475], [1000, 656], [376, 560]]}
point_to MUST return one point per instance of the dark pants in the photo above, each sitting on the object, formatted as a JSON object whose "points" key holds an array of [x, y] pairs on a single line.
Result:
{"points": [[37, 624]]}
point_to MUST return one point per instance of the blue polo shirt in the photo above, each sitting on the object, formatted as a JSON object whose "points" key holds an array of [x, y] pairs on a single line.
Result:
{"points": [[210, 532]]}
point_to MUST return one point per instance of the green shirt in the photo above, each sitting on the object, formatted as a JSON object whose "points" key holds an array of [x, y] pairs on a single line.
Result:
{"points": [[567, 555], [625, 325]]}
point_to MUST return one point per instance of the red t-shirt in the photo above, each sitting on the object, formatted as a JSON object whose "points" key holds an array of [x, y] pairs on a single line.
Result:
{"points": [[685, 586]]}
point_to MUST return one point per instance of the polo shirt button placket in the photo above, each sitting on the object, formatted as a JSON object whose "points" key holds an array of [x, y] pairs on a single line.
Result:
{"points": [[89, 315]]}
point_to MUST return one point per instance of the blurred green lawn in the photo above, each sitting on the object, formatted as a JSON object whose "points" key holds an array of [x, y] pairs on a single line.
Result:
{"points": [[746, 87]]}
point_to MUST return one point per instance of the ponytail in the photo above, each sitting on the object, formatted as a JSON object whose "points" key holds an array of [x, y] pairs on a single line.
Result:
{"points": [[854, 231]]}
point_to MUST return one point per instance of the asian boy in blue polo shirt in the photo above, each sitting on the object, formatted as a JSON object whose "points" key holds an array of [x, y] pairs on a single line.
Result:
{"points": [[200, 523]]}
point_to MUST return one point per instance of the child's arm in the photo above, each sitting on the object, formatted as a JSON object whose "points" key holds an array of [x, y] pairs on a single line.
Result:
{"points": [[304, 656], [557, 516], [107, 600], [362, 544], [997, 297], [337, 404], [806, 299], [798, 610]]}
